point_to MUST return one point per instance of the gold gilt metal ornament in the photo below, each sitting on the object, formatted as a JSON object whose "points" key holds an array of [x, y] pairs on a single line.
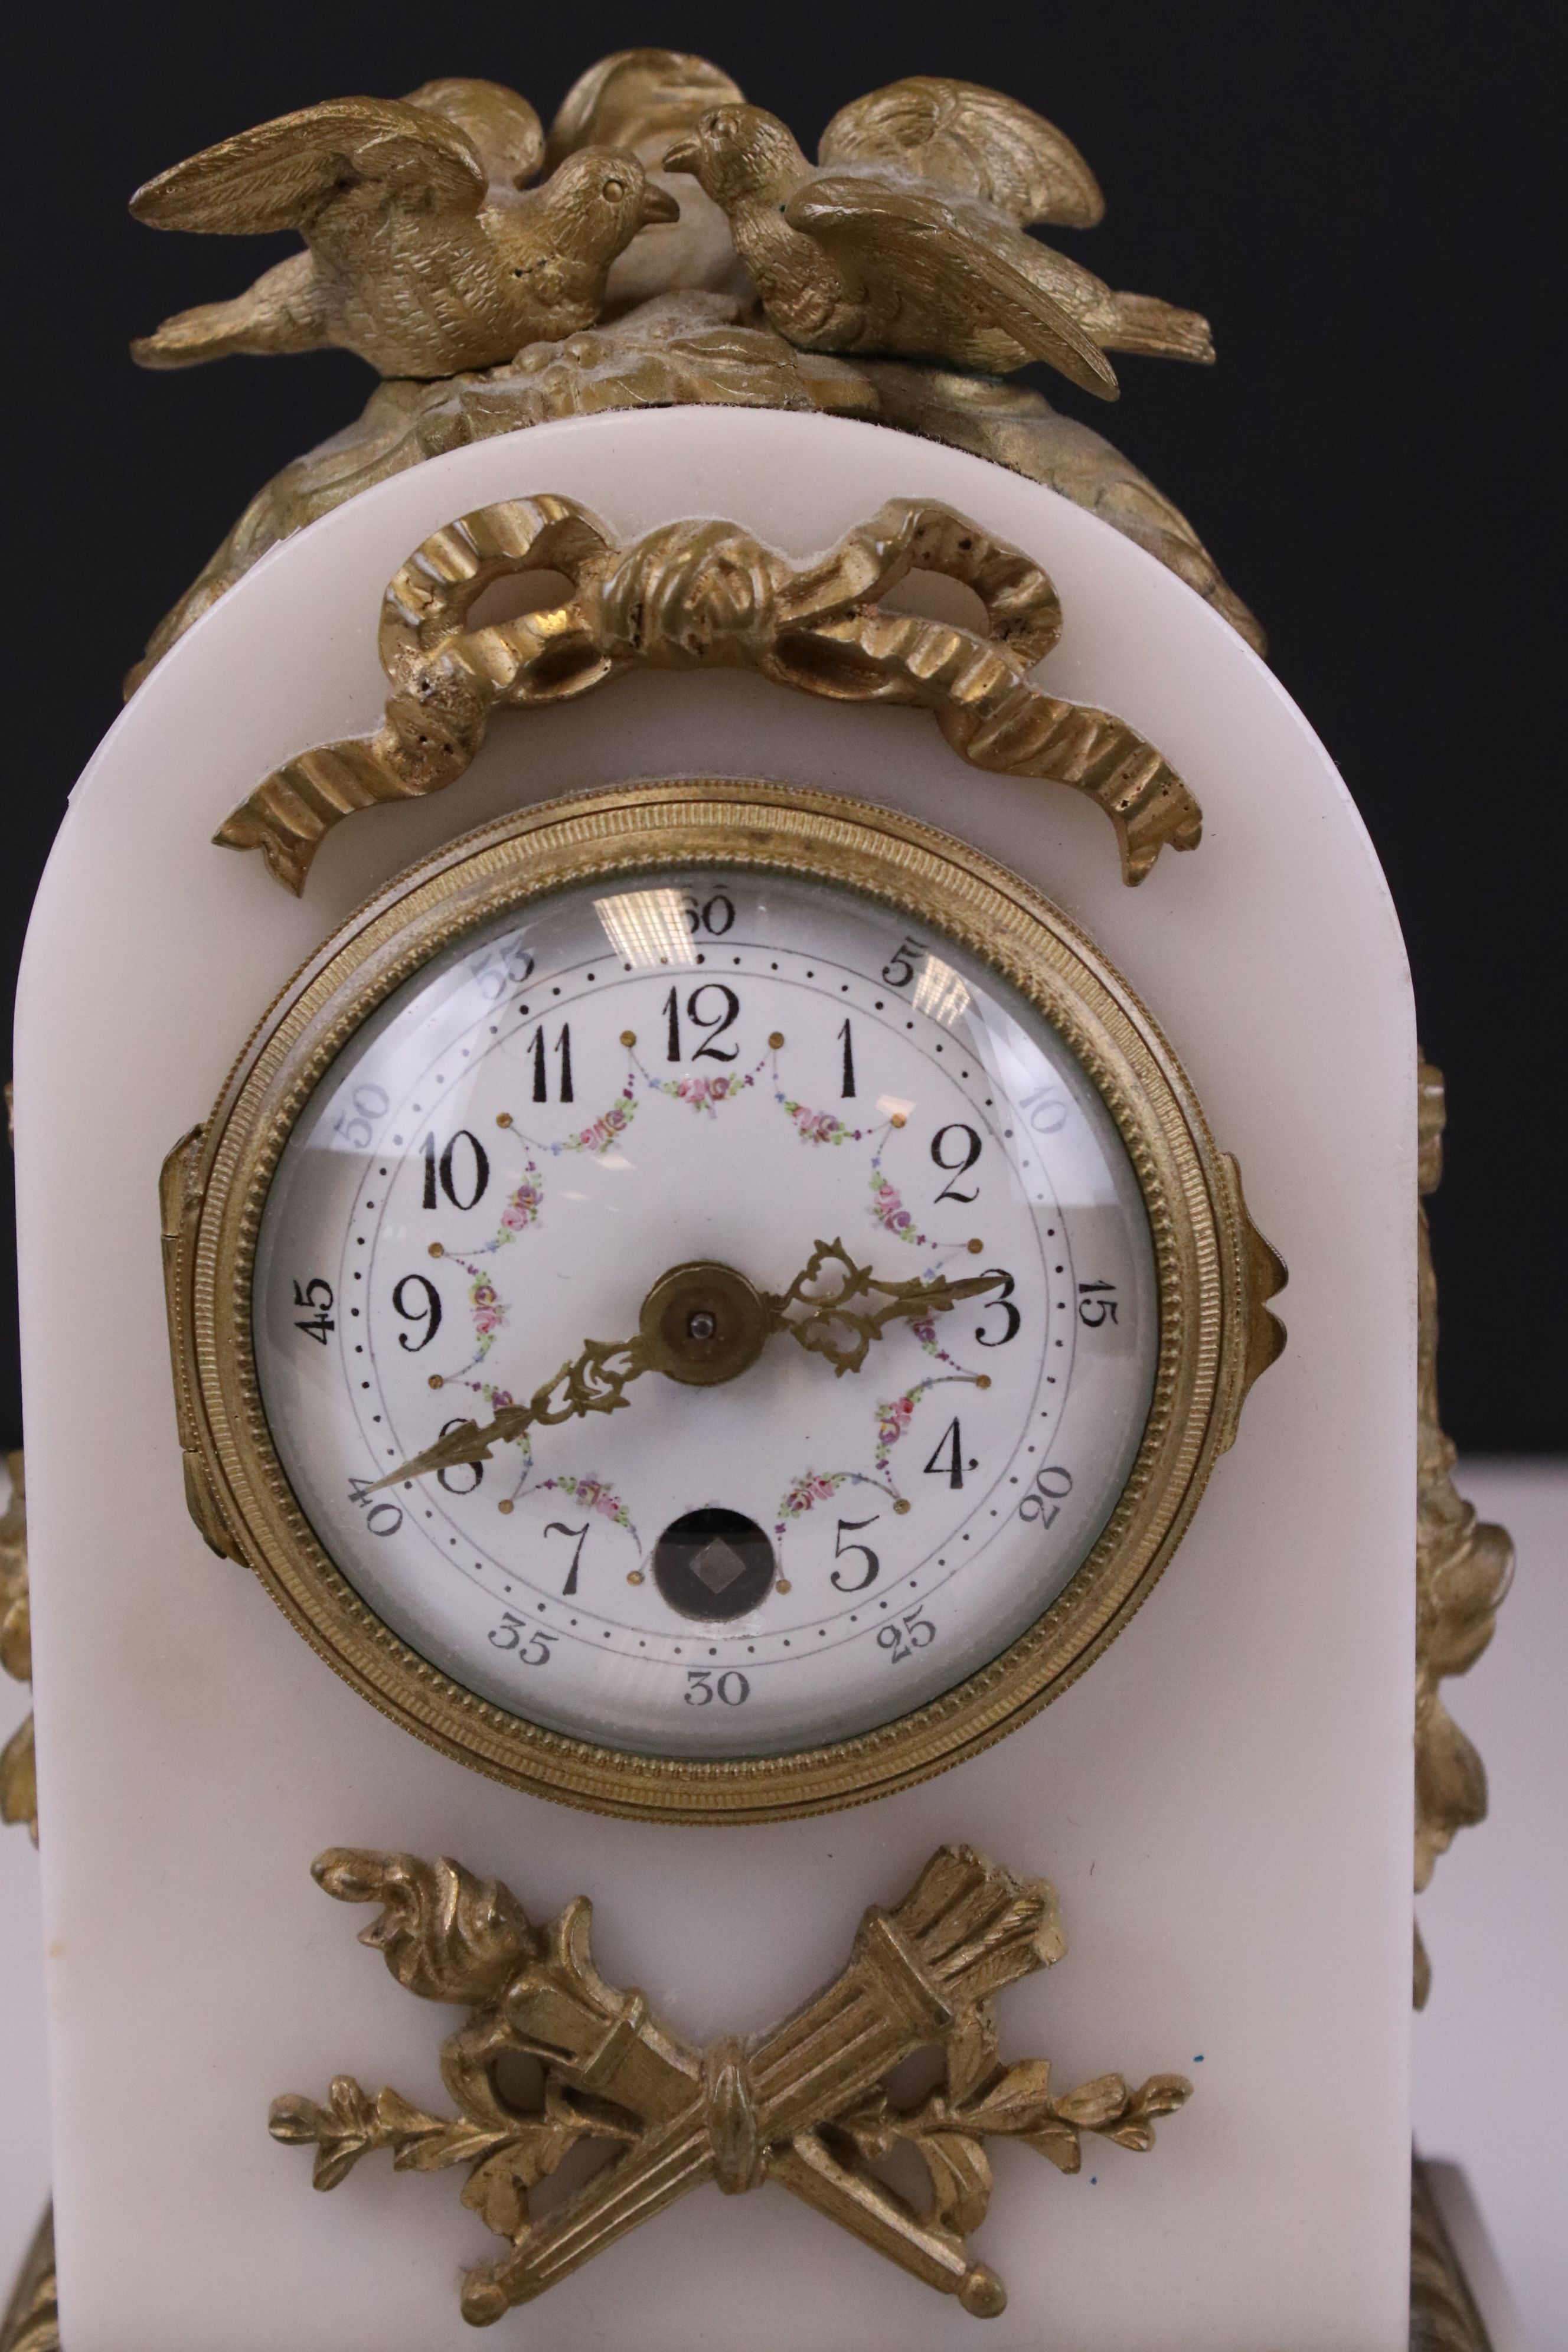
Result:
{"points": [[426, 252], [805, 2104], [1213, 1275], [873, 286], [698, 594], [1463, 1571], [908, 240], [19, 1774]]}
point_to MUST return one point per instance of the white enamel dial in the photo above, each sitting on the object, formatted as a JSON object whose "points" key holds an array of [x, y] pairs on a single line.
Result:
{"points": [[731, 1067]]}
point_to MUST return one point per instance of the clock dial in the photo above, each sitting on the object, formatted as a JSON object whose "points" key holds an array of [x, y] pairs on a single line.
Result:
{"points": [[728, 1066]]}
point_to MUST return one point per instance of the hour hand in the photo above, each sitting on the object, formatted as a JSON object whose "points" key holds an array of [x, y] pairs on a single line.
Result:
{"points": [[832, 1326], [592, 1381]]}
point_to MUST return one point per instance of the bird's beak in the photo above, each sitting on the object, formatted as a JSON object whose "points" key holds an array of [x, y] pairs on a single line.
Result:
{"points": [[658, 205], [684, 156]]}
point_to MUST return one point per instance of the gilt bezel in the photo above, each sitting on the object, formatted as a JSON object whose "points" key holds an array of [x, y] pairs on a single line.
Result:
{"points": [[240, 1493]]}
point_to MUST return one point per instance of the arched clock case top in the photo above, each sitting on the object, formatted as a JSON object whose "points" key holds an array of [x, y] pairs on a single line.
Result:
{"points": [[1213, 1272]]}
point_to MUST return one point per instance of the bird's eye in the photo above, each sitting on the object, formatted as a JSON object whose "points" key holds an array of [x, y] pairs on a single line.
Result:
{"points": [[614, 189]]}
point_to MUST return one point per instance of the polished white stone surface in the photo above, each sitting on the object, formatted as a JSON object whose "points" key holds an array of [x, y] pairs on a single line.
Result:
{"points": [[1490, 2069], [1224, 1802]]}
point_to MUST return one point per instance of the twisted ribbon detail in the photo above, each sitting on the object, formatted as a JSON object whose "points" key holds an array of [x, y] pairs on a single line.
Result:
{"points": [[706, 595]]}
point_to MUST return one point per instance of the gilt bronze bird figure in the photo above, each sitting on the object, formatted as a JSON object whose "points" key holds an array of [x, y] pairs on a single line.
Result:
{"points": [[427, 251], [643, 98], [907, 238]]}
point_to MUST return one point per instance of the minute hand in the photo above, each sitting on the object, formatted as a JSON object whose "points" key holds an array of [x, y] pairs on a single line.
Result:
{"points": [[831, 1327], [593, 1381]]}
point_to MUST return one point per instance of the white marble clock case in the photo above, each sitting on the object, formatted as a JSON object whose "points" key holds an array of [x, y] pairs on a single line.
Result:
{"points": [[1224, 1802]]}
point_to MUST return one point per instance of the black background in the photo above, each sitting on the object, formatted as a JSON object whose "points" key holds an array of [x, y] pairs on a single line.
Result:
{"points": [[1362, 199]]}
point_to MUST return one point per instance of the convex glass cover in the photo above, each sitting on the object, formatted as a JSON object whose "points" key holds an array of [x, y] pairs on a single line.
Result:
{"points": [[709, 1307]]}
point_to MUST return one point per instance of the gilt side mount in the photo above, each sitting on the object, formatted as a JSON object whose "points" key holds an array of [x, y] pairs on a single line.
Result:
{"points": [[706, 595], [1464, 1567], [18, 1777], [670, 244], [805, 2104]]}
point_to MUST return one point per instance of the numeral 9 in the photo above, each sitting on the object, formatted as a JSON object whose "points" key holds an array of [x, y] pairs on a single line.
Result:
{"points": [[429, 1315]]}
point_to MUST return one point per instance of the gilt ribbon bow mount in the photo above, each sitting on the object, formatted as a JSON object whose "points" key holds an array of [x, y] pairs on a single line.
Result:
{"points": [[806, 2104], [704, 593]]}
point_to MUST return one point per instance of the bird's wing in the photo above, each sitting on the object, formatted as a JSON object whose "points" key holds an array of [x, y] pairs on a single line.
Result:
{"points": [[636, 96], [973, 140], [288, 173], [948, 257], [503, 127]]}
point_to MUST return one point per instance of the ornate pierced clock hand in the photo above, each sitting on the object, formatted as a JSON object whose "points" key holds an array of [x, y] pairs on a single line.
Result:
{"points": [[702, 1324], [829, 1329], [593, 1381]]}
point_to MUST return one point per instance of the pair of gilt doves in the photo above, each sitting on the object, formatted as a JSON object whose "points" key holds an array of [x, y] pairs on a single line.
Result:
{"points": [[907, 239], [427, 251]]}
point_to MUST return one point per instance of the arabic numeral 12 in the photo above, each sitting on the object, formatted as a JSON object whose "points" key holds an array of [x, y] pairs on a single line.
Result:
{"points": [[712, 1007], [914, 1632]]}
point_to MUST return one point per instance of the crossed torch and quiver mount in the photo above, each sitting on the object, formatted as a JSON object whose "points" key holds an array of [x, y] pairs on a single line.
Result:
{"points": [[805, 2104]]}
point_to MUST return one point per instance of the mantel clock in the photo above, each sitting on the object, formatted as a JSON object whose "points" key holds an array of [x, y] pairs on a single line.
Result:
{"points": [[678, 972]]}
